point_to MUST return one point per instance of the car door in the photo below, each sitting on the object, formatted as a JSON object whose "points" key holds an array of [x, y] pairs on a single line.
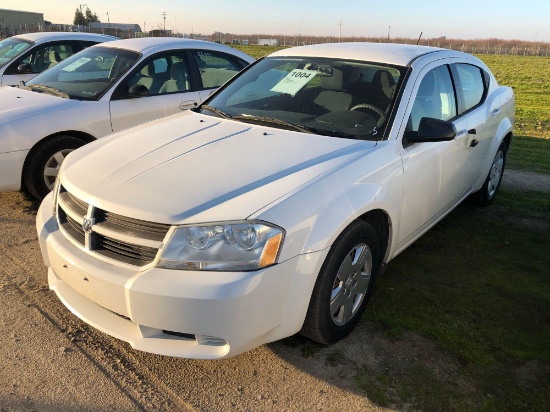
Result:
{"points": [[481, 111], [166, 88], [38, 59], [433, 179]]}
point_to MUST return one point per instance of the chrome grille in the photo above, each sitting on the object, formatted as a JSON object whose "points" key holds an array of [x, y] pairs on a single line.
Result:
{"points": [[135, 254], [114, 236], [129, 226], [75, 228]]}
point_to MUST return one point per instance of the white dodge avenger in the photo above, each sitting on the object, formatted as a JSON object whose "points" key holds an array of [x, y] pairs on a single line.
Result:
{"points": [[103, 89], [271, 208]]}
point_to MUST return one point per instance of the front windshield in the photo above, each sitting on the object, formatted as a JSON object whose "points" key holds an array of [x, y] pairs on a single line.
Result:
{"points": [[11, 48], [85, 75], [330, 97]]}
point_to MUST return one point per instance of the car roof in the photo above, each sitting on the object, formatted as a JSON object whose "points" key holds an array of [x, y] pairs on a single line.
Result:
{"points": [[41, 37], [149, 45], [391, 53]]}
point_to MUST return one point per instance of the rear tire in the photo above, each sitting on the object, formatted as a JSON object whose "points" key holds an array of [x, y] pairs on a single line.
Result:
{"points": [[488, 191], [344, 284], [44, 161]]}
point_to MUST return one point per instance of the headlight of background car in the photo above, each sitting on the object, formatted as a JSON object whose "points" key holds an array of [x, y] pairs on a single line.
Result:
{"points": [[226, 246]]}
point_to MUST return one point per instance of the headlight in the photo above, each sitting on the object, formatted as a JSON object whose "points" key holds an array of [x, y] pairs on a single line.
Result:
{"points": [[224, 246]]}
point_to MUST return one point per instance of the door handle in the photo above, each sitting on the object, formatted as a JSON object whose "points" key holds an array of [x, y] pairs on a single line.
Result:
{"points": [[474, 141], [187, 104]]}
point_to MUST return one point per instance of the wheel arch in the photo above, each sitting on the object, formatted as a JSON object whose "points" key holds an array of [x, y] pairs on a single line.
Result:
{"points": [[86, 137], [381, 222]]}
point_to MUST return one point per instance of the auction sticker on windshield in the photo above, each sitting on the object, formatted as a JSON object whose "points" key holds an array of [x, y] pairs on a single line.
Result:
{"points": [[294, 81], [76, 64]]}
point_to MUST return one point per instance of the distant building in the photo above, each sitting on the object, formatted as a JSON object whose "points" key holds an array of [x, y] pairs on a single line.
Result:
{"points": [[16, 21], [160, 33], [122, 30], [268, 42]]}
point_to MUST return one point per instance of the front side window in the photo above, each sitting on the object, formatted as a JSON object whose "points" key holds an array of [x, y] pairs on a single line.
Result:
{"points": [[47, 56], [435, 97], [332, 97], [85, 75], [11, 48], [472, 84], [215, 68], [163, 74]]}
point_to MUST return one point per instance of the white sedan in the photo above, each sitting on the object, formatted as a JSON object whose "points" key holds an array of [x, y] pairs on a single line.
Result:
{"points": [[103, 89], [272, 207], [24, 56]]}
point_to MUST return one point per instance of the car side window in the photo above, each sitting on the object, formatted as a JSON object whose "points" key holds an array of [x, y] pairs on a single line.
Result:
{"points": [[435, 97], [215, 68], [162, 75], [47, 56], [472, 84]]}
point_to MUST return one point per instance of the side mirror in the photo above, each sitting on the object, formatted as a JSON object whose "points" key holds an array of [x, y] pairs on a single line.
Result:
{"points": [[138, 90], [432, 130], [24, 68]]}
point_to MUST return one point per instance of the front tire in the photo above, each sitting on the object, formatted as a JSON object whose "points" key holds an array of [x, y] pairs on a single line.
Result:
{"points": [[488, 191], [44, 161], [344, 284]]}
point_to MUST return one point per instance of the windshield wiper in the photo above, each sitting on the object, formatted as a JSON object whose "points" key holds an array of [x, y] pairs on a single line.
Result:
{"points": [[51, 90], [219, 112], [271, 120]]}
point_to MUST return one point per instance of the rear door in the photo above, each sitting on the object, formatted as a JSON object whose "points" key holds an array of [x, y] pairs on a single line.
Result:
{"points": [[482, 112], [170, 89]]}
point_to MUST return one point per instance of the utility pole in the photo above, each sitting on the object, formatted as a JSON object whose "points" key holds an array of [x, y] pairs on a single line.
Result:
{"points": [[164, 17], [389, 28], [340, 31], [109, 20], [83, 19]]}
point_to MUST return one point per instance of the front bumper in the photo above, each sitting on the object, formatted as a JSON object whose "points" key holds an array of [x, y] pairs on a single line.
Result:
{"points": [[11, 167], [215, 314]]}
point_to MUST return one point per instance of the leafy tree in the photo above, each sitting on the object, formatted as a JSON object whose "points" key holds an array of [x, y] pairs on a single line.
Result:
{"points": [[83, 19], [91, 17]]}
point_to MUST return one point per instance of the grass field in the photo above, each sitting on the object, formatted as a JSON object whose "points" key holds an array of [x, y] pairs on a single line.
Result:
{"points": [[476, 287]]}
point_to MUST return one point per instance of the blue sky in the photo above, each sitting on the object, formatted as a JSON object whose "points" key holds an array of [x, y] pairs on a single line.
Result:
{"points": [[467, 19]]}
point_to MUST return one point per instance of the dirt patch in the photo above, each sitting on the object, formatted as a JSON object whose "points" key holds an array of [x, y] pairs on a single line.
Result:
{"points": [[522, 180]]}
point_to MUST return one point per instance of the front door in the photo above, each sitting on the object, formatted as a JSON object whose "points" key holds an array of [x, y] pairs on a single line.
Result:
{"points": [[433, 178], [167, 83]]}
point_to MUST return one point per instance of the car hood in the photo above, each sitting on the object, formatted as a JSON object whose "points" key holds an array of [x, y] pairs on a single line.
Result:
{"points": [[16, 103], [191, 168]]}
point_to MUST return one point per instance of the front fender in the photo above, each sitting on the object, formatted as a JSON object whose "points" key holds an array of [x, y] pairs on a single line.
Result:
{"points": [[316, 215]]}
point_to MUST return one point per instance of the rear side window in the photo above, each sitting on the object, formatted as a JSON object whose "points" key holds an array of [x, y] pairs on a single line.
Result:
{"points": [[215, 68], [472, 83]]}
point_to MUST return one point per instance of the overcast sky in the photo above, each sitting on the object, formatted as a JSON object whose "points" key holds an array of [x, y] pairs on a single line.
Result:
{"points": [[466, 19]]}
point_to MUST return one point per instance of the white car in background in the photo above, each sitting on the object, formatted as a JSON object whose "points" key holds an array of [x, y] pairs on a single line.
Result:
{"points": [[271, 208], [24, 56], [103, 89]]}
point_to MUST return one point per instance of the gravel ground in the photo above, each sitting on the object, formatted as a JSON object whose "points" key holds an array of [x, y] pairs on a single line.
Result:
{"points": [[51, 361]]}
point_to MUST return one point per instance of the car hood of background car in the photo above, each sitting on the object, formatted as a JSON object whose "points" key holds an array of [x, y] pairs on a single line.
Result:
{"points": [[16, 104], [191, 168]]}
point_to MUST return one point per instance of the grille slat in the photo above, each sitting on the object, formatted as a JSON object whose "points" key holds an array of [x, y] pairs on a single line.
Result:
{"points": [[78, 206], [115, 248], [133, 227], [140, 252]]}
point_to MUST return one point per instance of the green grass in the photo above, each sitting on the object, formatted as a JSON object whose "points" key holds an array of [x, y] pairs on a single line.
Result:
{"points": [[529, 76], [529, 153], [477, 286]]}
